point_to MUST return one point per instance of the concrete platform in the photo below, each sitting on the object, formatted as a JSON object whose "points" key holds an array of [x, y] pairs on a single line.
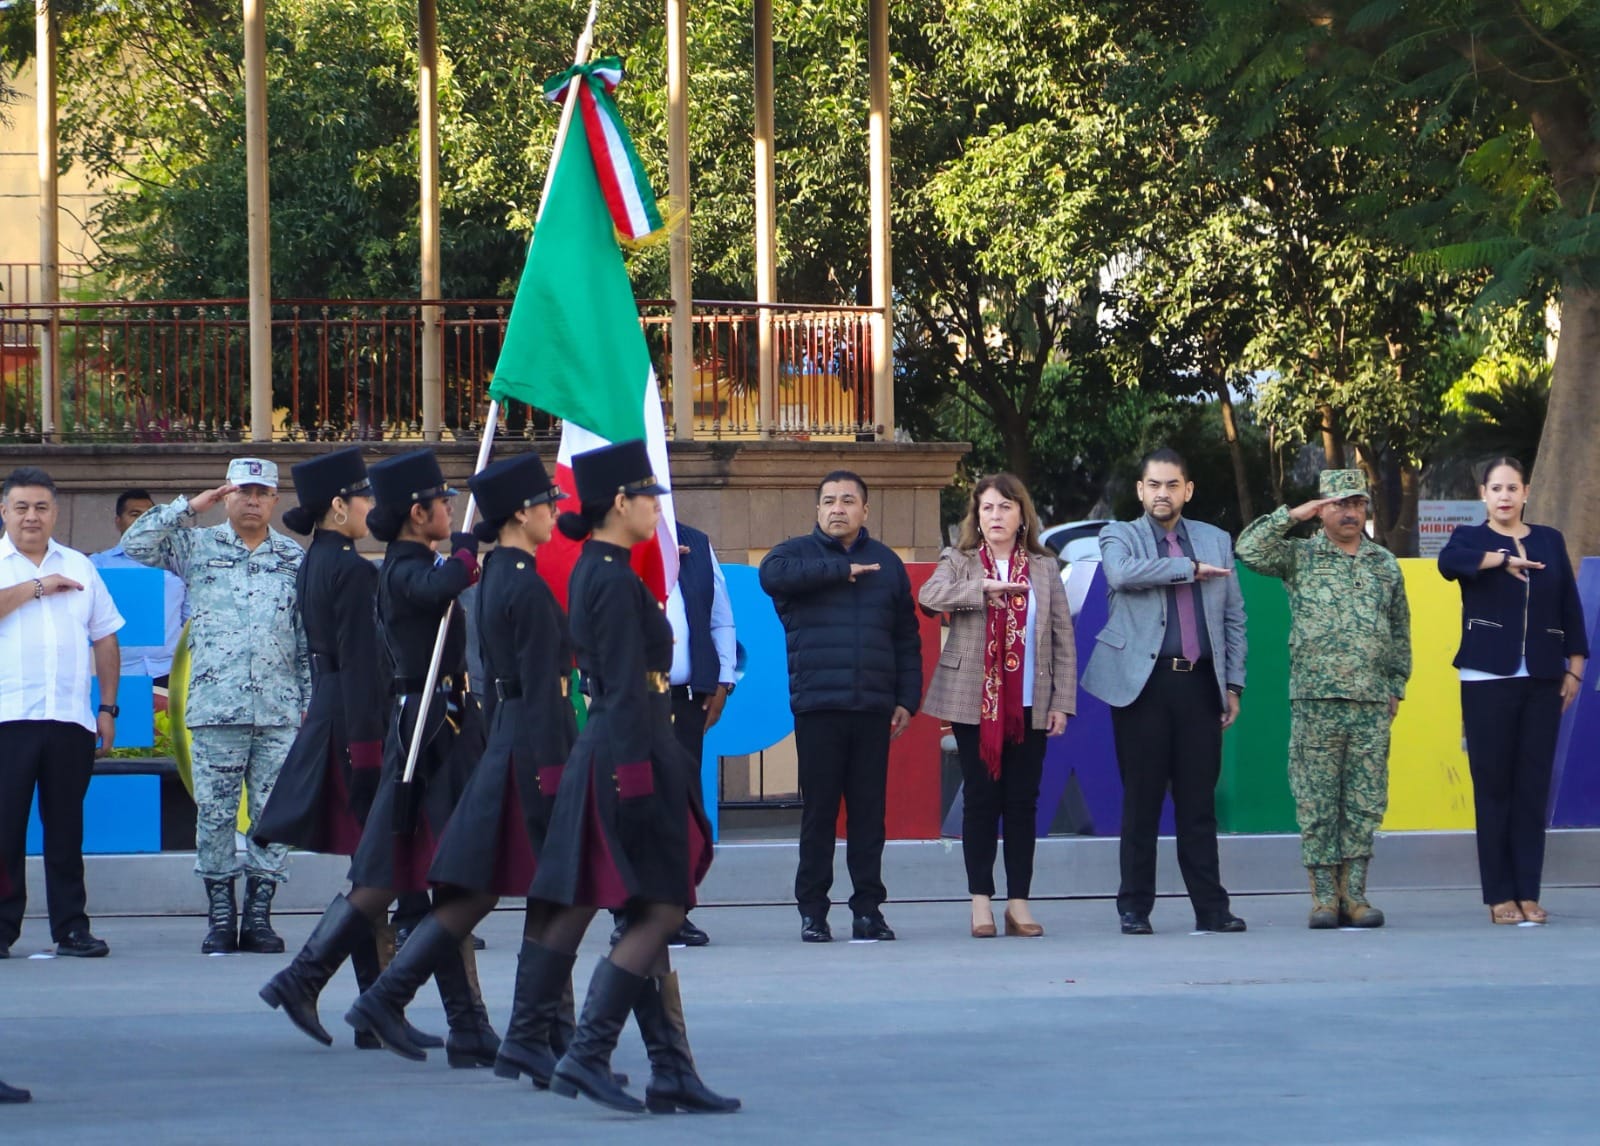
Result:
{"points": [[763, 873], [1437, 1029]]}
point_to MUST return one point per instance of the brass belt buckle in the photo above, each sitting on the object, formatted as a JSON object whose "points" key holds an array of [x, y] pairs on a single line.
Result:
{"points": [[1181, 665]]}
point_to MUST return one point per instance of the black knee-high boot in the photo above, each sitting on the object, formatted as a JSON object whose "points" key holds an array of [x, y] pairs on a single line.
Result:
{"points": [[364, 962], [542, 974], [295, 989], [380, 1011], [586, 1067], [674, 1083], [471, 1041]]}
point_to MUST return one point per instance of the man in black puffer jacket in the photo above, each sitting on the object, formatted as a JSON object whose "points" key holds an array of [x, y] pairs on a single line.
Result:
{"points": [[855, 677]]}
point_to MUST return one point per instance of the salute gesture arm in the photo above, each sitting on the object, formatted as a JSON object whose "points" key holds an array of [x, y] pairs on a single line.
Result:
{"points": [[159, 537]]}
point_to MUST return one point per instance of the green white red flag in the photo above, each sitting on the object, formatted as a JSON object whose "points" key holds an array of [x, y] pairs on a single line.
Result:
{"points": [[574, 346]]}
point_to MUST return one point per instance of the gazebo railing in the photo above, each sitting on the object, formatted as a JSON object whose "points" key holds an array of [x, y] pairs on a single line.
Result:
{"points": [[351, 370]]}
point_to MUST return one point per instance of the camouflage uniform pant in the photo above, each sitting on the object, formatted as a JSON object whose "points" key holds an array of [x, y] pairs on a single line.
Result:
{"points": [[1339, 774], [228, 759]]}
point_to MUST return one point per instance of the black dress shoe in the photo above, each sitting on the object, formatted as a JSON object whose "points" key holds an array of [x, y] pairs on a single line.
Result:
{"points": [[813, 930], [14, 1094], [873, 927], [1223, 923], [82, 945], [478, 944], [5, 949], [1136, 923], [690, 936]]}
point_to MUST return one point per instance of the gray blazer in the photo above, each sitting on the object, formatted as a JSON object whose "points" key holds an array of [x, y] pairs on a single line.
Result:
{"points": [[1137, 577]]}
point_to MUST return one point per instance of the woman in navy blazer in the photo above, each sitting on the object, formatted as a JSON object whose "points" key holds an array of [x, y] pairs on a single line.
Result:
{"points": [[1523, 648]]}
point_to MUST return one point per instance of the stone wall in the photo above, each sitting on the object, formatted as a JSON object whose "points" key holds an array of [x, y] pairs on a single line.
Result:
{"points": [[747, 496]]}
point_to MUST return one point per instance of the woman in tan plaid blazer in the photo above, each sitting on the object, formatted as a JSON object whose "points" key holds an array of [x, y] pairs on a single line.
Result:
{"points": [[1007, 678]]}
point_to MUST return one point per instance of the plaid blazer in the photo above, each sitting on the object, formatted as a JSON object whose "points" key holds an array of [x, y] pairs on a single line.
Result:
{"points": [[956, 588]]}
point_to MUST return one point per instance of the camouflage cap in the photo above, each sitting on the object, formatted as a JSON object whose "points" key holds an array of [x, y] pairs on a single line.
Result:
{"points": [[253, 471], [1342, 484]]}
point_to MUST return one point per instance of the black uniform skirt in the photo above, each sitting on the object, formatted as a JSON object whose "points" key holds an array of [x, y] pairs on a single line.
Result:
{"points": [[321, 800], [625, 829], [495, 836], [401, 861]]}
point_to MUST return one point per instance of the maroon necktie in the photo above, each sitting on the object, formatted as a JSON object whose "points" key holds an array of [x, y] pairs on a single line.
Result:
{"points": [[1188, 631]]}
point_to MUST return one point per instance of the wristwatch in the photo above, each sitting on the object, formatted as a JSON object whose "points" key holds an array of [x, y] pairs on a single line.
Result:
{"points": [[38, 588], [114, 710]]}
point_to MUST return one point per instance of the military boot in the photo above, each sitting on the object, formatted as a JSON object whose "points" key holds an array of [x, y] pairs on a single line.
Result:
{"points": [[223, 916], [1324, 897], [367, 960], [543, 976], [586, 1067], [297, 987], [674, 1083], [381, 1010], [255, 928], [1354, 910], [471, 1041]]}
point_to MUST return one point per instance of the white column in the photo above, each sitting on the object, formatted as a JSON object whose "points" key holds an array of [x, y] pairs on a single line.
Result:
{"points": [[679, 255], [428, 140], [258, 218], [766, 218], [49, 220], [878, 191]]}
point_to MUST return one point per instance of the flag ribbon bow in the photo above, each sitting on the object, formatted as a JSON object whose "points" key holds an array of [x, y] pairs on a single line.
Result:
{"points": [[627, 192]]}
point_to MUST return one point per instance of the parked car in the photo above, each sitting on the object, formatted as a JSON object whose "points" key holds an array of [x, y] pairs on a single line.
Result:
{"points": [[1075, 543]]}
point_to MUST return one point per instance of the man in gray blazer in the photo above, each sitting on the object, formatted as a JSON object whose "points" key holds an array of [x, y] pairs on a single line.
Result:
{"points": [[1170, 663]]}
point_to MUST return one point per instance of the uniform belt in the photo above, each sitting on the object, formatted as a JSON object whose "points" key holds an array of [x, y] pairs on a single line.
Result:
{"points": [[404, 685], [682, 692], [507, 688], [324, 662], [1178, 664]]}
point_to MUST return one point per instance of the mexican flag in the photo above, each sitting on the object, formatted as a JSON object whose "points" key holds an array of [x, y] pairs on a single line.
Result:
{"points": [[573, 344]]}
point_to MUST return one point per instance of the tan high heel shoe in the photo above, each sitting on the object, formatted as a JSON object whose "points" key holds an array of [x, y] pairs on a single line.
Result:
{"points": [[984, 930], [1532, 912], [1506, 913], [1015, 927]]}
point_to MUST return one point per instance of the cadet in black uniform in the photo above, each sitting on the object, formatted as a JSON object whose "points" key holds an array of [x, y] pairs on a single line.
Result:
{"points": [[491, 846], [627, 830], [330, 776]]}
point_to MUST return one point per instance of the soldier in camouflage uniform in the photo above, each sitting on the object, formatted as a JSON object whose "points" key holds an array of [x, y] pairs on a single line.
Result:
{"points": [[1349, 659], [249, 680]]}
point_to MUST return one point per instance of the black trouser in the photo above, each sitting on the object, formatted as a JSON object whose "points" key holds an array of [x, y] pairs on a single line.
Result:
{"points": [[57, 757], [1511, 728], [689, 726], [1171, 737], [841, 754], [984, 801]]}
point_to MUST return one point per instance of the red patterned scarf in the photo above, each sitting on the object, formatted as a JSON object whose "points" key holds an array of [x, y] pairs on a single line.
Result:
{"points": [[1000, 713]]}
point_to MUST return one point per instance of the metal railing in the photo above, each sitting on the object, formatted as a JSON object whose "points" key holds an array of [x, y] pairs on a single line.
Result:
{"points": [[349, 370], [24, 282]]}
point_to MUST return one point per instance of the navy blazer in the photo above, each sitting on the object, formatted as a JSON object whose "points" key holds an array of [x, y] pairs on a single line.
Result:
{"points": [[1504, 618]]}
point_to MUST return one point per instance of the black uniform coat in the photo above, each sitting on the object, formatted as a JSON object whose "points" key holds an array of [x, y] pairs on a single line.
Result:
{"points": [[413, 594], [626, 822], [498, 829], [325, 789]]}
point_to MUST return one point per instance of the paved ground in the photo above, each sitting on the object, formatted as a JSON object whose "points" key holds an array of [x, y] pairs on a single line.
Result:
{"points": [[1438, 1029]]}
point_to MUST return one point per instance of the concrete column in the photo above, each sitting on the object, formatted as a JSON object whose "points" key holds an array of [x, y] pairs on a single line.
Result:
{"points": [[428, 139], [766, 219], [679, 254], [259, 220], [49, 220], [878, 191]]}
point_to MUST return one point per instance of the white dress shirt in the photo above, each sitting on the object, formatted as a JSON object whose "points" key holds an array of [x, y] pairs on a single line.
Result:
{"points": [[150, 660], [1029, 658], [46, 663], [722, 631]]}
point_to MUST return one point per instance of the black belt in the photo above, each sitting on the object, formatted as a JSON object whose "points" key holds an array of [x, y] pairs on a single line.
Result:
{"points": [[1178, 664], [507, 688], [682, 692], [405, 685], [324, 662]]}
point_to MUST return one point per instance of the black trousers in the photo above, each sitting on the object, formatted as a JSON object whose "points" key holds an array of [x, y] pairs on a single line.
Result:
{"points": [[841, 755], [985, 802], [1171, 737], [689, 726], [57, 758], [1511, 728]]}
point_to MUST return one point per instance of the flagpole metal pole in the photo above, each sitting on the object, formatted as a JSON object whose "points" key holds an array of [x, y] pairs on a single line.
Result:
{"points": [[580, 56]]}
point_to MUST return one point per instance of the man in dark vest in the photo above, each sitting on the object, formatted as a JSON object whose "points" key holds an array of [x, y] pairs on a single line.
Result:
{"points": [[704, 656]]}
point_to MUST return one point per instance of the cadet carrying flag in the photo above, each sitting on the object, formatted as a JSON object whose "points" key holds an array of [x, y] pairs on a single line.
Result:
{"points": [[573, 344]]}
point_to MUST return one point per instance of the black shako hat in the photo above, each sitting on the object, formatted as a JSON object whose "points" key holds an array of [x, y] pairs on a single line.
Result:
{"points": [[408, 478], [319, 480], [621, 468], [511, 484]]}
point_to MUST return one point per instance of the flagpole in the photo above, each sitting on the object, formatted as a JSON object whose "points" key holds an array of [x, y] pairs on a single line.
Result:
{"points": [[580, 56]]}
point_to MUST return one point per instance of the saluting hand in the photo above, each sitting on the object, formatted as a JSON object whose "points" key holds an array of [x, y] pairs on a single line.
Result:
{"points": [[1204, 572], [1307, 510], [201, 502], [1518, 566], [857, 570], [998, 590], [56, 583]]}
